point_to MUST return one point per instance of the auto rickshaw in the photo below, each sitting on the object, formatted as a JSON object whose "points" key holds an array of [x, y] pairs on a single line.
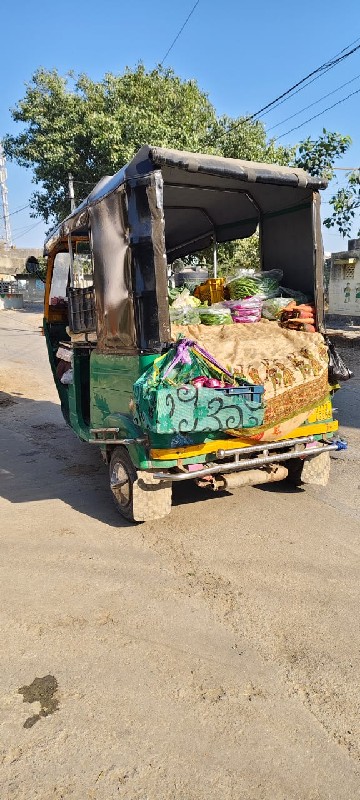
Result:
{"points": [[164, 205]]}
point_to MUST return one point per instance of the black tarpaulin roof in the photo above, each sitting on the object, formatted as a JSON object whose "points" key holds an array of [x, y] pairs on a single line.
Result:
{"points": [[204, 196]]}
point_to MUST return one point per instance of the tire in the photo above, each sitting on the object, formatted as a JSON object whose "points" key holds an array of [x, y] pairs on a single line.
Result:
{"points": [[314, 470], [122, 478], [294, 467]]}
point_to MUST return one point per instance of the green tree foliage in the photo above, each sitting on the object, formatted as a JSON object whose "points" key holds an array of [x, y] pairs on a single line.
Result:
{"points": [[246, 139], [318, 158], [231, 256], [241, 254], [91, 129], [345, 203]]}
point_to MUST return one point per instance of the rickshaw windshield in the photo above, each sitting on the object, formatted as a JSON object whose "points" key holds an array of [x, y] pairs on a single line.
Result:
{"points": [[60, 279]]}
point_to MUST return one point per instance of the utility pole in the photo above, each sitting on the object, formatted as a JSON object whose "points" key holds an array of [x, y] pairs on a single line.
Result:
{"points": [[71, 192], [4, 199]]}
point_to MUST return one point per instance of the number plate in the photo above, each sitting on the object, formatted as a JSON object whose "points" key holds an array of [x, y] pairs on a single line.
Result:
{"points": [[321, 412]]}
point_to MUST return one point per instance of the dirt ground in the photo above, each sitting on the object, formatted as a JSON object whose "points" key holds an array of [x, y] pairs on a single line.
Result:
{"points": [[211, 655]]}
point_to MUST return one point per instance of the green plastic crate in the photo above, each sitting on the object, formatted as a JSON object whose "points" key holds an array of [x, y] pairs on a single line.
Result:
{"points": [[180, 409]]}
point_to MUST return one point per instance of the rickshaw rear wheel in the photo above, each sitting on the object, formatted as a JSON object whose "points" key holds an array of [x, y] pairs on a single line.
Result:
{"points": [[122, 477]]}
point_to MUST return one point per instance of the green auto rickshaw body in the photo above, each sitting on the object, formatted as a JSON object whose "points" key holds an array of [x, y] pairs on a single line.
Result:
{"points": [[163, 205]]}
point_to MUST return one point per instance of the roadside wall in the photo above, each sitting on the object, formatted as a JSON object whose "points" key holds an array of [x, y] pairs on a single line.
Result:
{"points": [[13, 260], [344, 284]]}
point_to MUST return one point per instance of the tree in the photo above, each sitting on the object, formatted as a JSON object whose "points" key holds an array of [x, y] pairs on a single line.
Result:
{"points": [[91, 129], [345, 203], [318, 157]]}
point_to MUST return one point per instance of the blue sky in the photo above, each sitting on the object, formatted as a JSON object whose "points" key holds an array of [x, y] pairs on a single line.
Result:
{"points": [[242, 55]]}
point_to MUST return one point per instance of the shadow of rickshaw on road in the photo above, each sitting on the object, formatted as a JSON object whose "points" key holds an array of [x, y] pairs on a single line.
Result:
{"points": [[42, 460]]}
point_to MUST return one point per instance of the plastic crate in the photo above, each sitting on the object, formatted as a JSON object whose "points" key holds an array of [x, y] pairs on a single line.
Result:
{"points": [[212, 291], [181, 409], [81, 308]]}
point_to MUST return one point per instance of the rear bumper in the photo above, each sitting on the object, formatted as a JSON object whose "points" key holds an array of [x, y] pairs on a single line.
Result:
{"points": [[317, 430], [261, 455]]}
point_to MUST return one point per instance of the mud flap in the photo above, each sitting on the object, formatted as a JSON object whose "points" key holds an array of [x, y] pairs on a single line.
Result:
{"points": [[151, 497]]}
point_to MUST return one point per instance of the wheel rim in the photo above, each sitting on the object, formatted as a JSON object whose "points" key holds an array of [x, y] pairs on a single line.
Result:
{"points": [[120, 485]]}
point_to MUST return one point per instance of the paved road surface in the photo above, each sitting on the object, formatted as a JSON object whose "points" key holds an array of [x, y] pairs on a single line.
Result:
{"points": [[212, 655]]}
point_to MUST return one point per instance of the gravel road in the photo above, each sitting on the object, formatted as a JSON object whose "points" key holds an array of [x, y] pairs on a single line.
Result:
{"points": [[210, 656]]}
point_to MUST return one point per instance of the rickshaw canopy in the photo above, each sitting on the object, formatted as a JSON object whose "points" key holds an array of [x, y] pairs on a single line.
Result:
{"points": [[192, 186], [166, 204]]}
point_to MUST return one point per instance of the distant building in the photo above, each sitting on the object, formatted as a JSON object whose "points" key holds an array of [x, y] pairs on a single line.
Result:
{"points": [[344, 281], [13, 260]]}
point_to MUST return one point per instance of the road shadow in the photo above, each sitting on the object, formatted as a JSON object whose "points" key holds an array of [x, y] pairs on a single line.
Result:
{"points": [[281, 487], [7, 399], [42, 459], [187, 492]]}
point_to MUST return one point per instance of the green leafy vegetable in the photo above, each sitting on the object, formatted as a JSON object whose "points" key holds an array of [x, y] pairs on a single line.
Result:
{"points": [[215, 316]]}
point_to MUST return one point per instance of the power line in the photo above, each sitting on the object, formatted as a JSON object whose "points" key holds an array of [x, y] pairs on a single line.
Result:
{"points": [[31, 228], [300, 89], [179, 33], [26, 231], [313, 104], [347, 47], [308, 83], [339, 57], [317, 115], [333, 62], [17, 211], [19, 230]]}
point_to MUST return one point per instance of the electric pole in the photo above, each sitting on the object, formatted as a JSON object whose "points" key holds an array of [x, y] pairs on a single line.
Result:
{"points": [[5, 217], [71, 192]]}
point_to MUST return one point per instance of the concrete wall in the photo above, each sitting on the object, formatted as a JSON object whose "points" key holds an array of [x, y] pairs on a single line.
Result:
{"points": [[13, 260], [344, 283]]}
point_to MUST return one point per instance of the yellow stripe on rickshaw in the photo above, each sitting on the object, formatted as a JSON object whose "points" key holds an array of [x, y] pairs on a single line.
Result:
{"points": [[192, 450]]}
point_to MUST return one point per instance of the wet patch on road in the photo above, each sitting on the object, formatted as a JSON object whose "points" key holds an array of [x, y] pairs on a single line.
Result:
{"points": [[41, 690], [81, 469]]}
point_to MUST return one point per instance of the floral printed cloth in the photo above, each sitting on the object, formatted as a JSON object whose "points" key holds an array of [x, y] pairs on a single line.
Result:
{"points": [[291, 365]]}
